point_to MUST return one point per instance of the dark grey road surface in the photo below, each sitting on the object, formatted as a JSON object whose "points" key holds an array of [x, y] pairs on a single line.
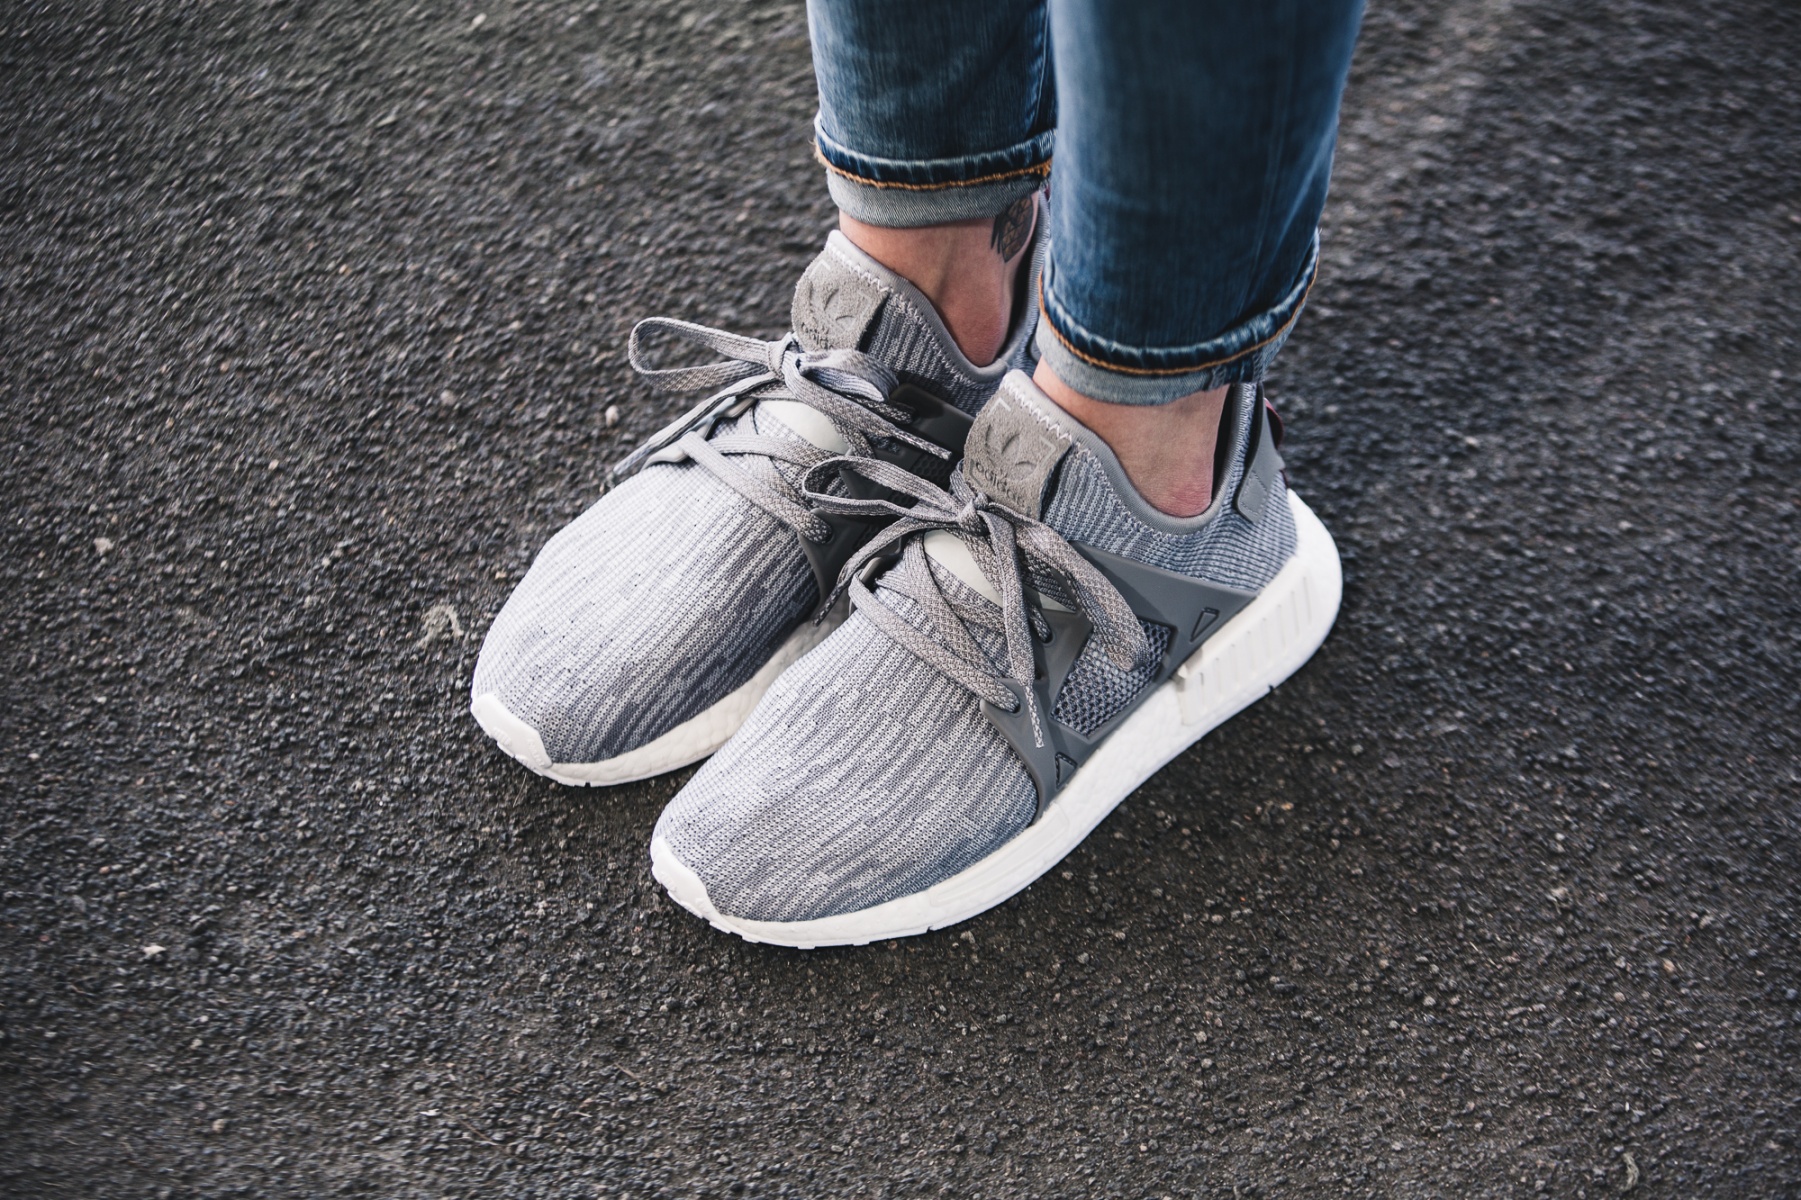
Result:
{"points": [[310, 314]]}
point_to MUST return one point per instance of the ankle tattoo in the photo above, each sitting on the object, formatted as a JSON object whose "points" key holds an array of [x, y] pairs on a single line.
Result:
{"points": [[1013, 228]]}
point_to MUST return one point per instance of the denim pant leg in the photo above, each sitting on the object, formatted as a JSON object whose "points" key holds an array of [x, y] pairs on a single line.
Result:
{"points": [[1193, 152], [931, 110]]}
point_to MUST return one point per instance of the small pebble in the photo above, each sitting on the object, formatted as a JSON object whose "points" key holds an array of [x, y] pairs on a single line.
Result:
{"points": [[440, 621], [103, 546], [612, 415]]}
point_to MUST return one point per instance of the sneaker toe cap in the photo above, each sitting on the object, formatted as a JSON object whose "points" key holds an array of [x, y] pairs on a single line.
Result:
{"points": [[637, 616], [863, 776]]}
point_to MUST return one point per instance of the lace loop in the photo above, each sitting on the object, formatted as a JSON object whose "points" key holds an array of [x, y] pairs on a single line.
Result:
{"points": [[746, 356], [848, 387]]}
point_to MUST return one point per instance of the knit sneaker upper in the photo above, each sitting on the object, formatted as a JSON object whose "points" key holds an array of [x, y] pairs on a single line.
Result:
{"points": [[866, 773]]}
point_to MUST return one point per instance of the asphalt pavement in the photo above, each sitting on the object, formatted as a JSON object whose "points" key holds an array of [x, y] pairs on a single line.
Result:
{"points": [[311, 317]]}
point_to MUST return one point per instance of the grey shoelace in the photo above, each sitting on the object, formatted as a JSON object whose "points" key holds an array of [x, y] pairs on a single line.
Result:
{"points": [[849, 387], [999, 538]]}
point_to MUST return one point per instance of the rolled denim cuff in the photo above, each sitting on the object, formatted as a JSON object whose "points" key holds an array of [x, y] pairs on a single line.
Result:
{"points": [[1120, 374], [910, 193]]}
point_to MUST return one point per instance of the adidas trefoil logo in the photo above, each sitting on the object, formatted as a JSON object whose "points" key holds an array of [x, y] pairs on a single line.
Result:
{"points": [[841, 310], [835, 311], [1013, 455], [1010, 454]]}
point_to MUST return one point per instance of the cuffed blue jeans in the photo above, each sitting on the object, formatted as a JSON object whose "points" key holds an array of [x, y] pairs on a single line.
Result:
{"points": [[1193, 142]]}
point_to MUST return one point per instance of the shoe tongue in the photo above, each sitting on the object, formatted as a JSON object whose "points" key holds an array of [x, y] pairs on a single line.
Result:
{"points": [[1015, 445], [835, 304]]}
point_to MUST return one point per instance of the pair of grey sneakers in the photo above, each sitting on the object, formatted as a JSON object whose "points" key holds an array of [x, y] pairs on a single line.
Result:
{"points": [[916, 613]]}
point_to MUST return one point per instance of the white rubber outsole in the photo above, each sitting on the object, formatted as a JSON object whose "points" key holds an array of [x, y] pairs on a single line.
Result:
{"points": [[687, 743], [1253, 653]]}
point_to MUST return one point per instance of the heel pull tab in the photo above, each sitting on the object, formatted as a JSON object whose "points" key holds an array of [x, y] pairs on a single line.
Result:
{"points": [[1276, 424], [1262, 462]]}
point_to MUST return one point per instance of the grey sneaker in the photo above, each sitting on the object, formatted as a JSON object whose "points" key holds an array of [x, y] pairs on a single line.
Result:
{"points": [[650, 626], [1038, 642]]}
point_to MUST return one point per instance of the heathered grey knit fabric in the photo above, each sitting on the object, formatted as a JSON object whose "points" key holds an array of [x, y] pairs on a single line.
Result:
{"points": [[865, 775], [673, 589], [1087, 510], [663, 597]]}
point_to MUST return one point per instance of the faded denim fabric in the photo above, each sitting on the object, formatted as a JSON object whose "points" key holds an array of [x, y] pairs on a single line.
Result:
{"points": [[931, 111], [1193, 146]]}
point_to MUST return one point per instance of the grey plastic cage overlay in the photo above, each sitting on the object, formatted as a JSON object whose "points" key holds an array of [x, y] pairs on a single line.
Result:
{"points": [[1192, 609]]}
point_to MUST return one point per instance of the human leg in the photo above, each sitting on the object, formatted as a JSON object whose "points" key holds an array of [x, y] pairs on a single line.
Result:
{"points": [[1190, 177]]}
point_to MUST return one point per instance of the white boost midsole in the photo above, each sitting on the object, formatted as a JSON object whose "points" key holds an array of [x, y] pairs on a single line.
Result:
{"points": [[1259, 648], [687, 743]]}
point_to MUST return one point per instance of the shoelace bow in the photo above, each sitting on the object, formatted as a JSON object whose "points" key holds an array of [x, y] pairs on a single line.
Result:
{"points": [[998, 538], [849, 387]]}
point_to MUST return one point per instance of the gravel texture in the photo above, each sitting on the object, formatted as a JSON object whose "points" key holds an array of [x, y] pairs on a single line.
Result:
{"points": [[310, 317]]}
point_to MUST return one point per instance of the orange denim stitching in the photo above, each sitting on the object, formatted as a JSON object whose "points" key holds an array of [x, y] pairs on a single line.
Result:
{"points": [[1044, 314], [1041, 170]]}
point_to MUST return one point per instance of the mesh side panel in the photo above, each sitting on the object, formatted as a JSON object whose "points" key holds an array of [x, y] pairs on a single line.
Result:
{"points": [[863, 776], [1096, 691]]}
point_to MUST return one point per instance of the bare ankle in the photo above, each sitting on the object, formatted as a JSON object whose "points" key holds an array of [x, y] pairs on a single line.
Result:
{"points": [[1166, 449], [968, 270]]}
